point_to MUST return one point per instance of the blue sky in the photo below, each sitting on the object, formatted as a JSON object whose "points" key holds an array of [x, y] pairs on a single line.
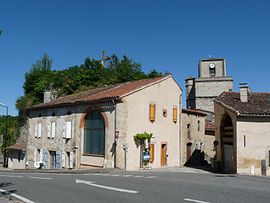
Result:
{"points": [[167, 35]]}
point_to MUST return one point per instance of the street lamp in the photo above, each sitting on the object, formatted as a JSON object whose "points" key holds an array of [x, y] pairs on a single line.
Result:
{"points": [[5, 135]]}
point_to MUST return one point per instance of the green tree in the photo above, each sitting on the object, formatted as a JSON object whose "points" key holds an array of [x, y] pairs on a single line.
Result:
{"points": [[13, 130]]}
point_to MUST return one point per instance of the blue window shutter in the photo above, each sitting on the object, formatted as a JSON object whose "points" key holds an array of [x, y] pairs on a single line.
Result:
{"points": [[58, 160], [45, 157]]}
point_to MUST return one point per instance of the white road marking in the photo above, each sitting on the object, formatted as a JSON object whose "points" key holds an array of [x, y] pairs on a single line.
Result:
{"points": [[17, 196], [151, 177], [127, 175], [106, 187], [11, 176], [40, 178], [115, 175], [195, 200], [137, 176]]}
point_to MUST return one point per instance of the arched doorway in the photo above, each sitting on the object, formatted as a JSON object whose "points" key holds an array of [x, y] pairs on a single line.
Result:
{"points": [[94, 134], [227, 141]]}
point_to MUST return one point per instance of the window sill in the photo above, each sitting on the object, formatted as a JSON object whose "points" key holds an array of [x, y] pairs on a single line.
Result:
{"points": [[95, 155]]}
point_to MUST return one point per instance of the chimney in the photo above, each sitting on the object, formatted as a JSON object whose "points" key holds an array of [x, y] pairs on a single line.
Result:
{"points": [[243, 92], [49, 96]]}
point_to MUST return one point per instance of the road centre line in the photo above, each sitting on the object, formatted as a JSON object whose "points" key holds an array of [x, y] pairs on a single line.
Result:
{"points": [[195, 200], [40, 178], [106, 187], [16, 196], [11, 176]]}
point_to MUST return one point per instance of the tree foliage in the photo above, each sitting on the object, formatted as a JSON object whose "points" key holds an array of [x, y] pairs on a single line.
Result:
{"points": [[12, 130], [91, 74]]}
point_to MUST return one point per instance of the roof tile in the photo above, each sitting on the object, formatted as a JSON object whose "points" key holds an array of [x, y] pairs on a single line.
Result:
{"points": [[258, 102]]}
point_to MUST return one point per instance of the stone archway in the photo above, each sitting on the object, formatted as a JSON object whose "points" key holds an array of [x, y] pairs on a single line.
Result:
{"points": [[227, 145]]}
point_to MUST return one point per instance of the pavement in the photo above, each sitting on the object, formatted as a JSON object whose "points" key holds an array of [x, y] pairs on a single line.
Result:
{"points": [[8, 199], [104, 170]]}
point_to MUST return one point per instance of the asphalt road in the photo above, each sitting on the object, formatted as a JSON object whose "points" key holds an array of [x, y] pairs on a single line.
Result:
{"points": [[136, 187]]}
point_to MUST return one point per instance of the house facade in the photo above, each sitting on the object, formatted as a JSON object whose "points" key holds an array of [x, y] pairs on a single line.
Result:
{"points": [[92, 128], [192, 137], [243, 132]]}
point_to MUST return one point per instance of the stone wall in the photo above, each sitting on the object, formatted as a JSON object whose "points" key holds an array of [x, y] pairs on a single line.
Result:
{"points": [[195, 124]]}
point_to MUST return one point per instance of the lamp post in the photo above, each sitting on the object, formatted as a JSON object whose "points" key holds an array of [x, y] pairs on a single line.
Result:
{"points": [[5, 135]]}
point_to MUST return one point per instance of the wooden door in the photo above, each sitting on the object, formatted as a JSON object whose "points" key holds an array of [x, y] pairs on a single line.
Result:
{"points": [[163, 154]]}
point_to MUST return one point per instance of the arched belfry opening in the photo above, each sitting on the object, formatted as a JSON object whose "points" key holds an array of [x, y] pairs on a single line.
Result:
{"points": [[227, 145]]}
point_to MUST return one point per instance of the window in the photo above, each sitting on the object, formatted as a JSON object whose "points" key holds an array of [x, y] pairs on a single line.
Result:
{"points": [[164, 112], [94, 134], [152, 112], [244, 141], [175, 114], [68, 130], [199, 125], [212, 71], [152, 153], [188, 131], [39, 130], [51, 130]]}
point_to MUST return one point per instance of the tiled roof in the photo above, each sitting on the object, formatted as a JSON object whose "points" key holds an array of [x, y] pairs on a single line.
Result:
{"points": [[193, 111], [103, 93], [258, 103], [18, 146]]}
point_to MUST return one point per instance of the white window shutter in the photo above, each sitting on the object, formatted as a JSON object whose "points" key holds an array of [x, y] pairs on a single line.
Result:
{"points": [[71, 160], [49, 130], [39, 129], [68, 129], [64, 130], [53, 129], [63, 160], [36, 130], [40, 155]]}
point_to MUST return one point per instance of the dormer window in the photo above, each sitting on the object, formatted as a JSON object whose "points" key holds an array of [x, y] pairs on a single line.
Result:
{"points": [[212, 69]]}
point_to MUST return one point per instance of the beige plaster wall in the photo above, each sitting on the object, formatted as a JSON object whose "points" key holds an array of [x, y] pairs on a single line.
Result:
{"points": [[256, 148], [165, 95]]}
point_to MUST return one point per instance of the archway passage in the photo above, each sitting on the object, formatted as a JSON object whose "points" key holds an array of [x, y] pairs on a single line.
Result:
{"points": [[94, 134], [227, 140]]}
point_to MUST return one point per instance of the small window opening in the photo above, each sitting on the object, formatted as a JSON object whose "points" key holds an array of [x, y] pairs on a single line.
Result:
{"points": [[164, 112]]}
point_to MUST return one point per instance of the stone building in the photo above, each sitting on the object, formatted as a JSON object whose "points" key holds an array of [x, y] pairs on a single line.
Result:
{"points": [[192, 137], [92, 128], [243, 131], [211, 82]]}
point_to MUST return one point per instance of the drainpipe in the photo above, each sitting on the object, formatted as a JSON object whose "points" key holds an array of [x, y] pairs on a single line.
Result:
{"points": [[115, 136]]}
